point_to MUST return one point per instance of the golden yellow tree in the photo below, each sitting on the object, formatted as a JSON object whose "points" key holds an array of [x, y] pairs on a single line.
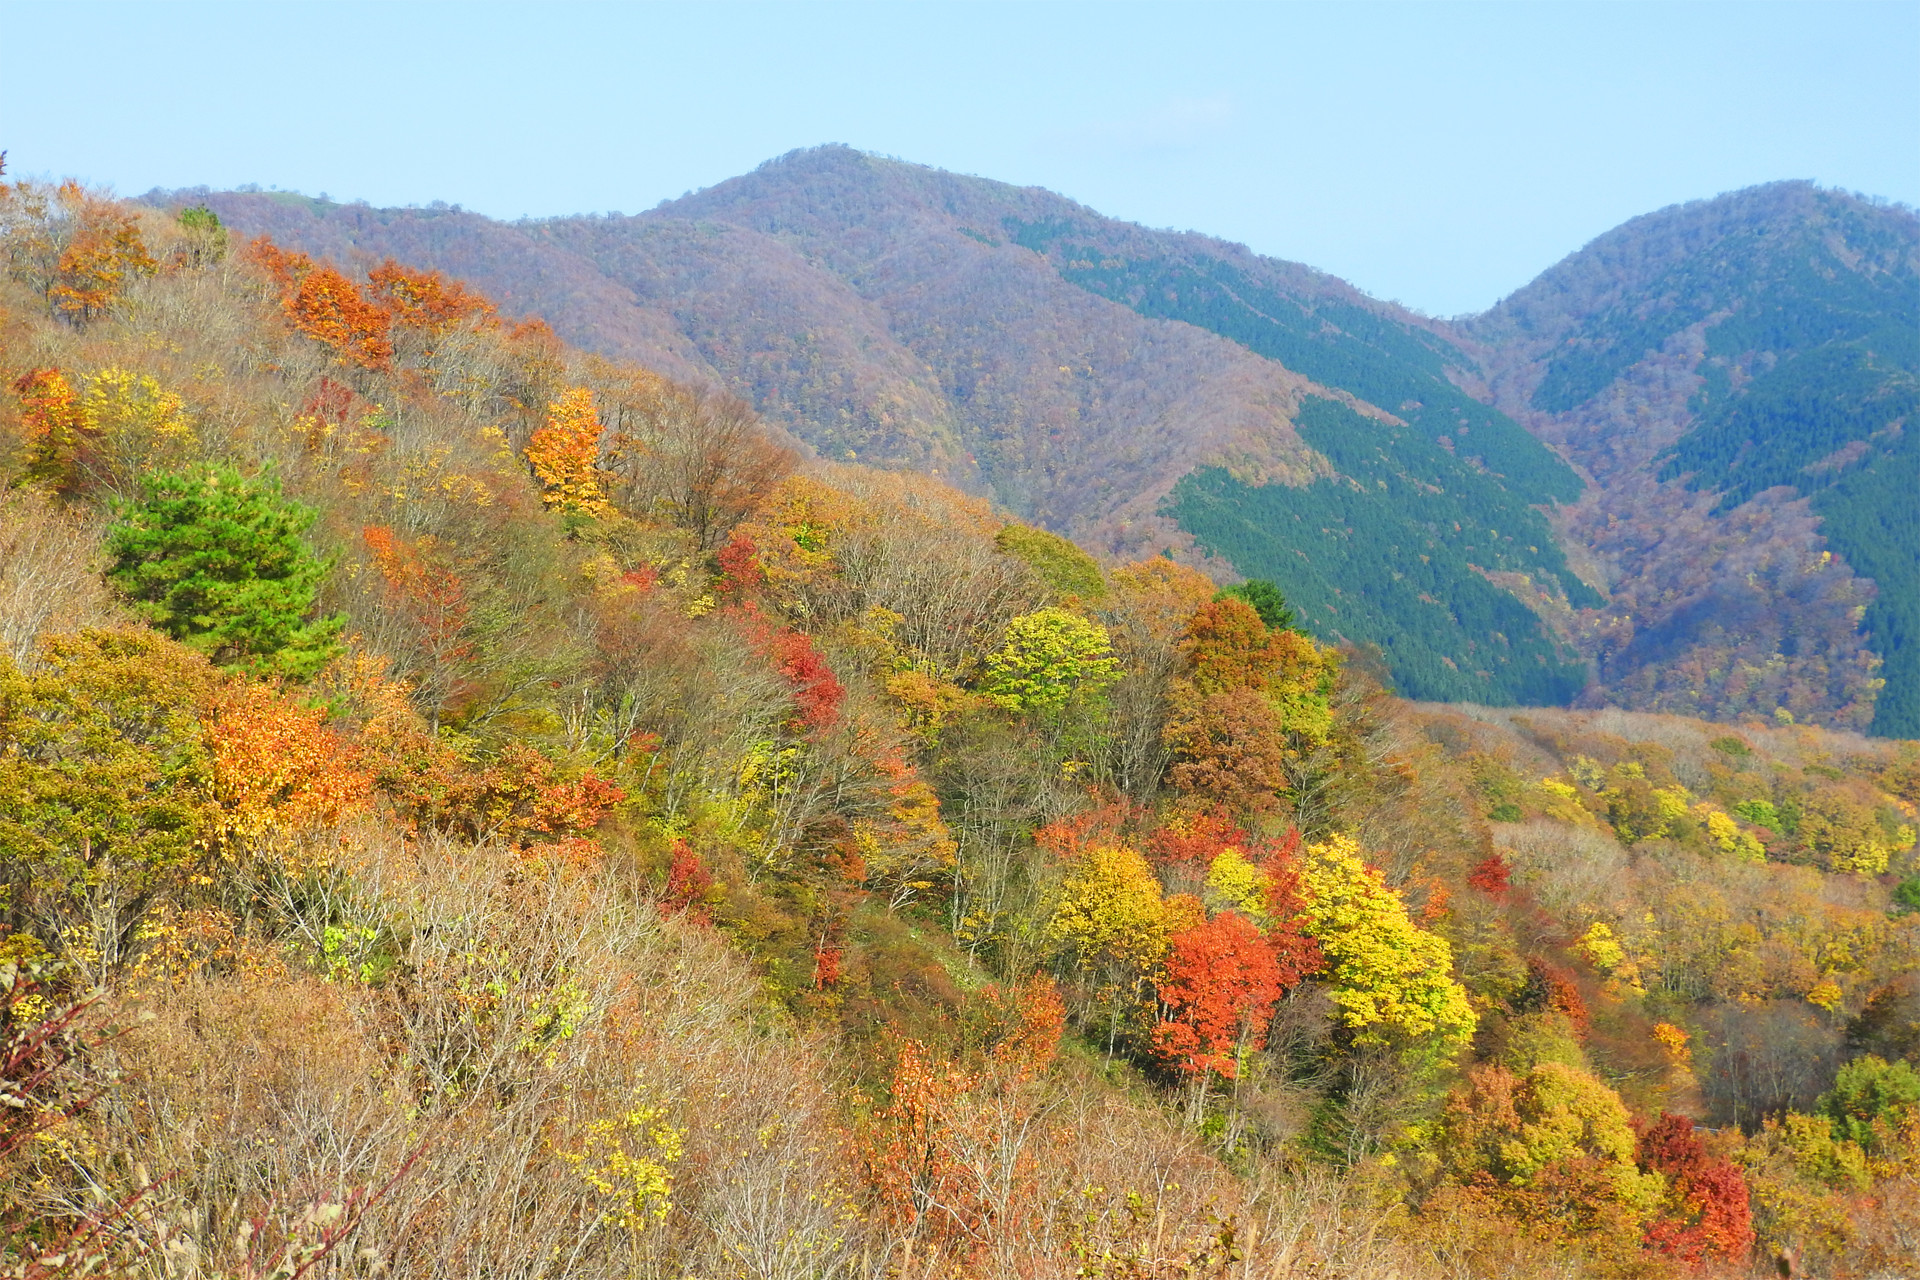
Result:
{"points": [[1114, 924], [565, 454], [1392, 981]]}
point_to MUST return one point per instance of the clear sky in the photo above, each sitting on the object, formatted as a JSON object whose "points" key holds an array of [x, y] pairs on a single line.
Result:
{"points": [[1437, 153]]}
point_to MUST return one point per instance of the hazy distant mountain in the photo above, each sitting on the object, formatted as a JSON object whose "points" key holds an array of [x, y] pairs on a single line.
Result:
{"points": [[1145, 390]]}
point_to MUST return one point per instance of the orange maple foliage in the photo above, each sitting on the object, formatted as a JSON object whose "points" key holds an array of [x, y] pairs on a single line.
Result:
{"points": [[525, 794], [1551, 986], [951, 1157], [104, 254], [326, 307], [1229, 647], [1245, 690], [1109, 823], [565, 454], [1196, 839], [427, 300], [829, 956], [285, 267], [51, 414], [1034, 1017], [521, 798], [1217, 996], [279, 769], [1229, 748], [431, 597]]}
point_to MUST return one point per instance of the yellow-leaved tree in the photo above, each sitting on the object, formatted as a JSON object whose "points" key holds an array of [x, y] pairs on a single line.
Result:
{"points": [[1392, 980], [1554, 1147], [1113, 924], [116, 425], [1049, 657]]}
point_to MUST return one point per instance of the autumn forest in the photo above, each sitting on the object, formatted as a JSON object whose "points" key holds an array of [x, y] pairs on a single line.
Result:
{"points": [[476, 806]]}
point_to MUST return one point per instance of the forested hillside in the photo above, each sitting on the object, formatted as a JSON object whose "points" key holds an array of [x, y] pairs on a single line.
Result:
{"points": [[1143, 390], [1736, 376], [471, 807], [905, 316]]}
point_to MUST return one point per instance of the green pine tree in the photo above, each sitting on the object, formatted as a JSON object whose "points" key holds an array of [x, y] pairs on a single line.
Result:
{"points": [[1265, 600], [217, 561]]}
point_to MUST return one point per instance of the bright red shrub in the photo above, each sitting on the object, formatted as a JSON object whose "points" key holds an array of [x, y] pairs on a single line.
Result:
{"points": [[1551, 987], [1216, 1000], [816, 691], [740, 569], [827, 968], [688, 883], [1492, 876], [1198, 839], [1710, 1218]]}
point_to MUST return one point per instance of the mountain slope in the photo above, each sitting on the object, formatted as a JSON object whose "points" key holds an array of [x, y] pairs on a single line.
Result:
{"points": [[1406, 481], [900, 315], [1736, 375]]}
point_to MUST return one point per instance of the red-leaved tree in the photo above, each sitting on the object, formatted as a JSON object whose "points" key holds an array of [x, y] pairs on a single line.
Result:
{"points": [[1217, 995], [1709, 1218]]}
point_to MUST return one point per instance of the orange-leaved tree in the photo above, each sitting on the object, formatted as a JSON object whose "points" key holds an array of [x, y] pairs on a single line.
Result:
{"points": [[431, 601], [1227, 742], [328, 308], [1708, 1216], [278, 769], [51, 416], [427, 300], [104, 254], [324, 305], [1219, 984], [1249, 702], [565, 455], [953, 1156]]}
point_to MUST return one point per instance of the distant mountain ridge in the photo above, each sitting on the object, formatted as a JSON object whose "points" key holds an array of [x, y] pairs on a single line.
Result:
{"points": [[1736, 376], [1146, 390]]}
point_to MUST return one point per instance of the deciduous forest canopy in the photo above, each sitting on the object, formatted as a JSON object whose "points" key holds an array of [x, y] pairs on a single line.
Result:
{"points": [[475, 803]]}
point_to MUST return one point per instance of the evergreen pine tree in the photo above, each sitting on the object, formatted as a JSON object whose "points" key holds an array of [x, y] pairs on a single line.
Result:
{"points": [[217, 561], [1266, 600]]}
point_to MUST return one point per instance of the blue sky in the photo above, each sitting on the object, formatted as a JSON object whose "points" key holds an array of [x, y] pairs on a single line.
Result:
{"points": [[1441, 154]]}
